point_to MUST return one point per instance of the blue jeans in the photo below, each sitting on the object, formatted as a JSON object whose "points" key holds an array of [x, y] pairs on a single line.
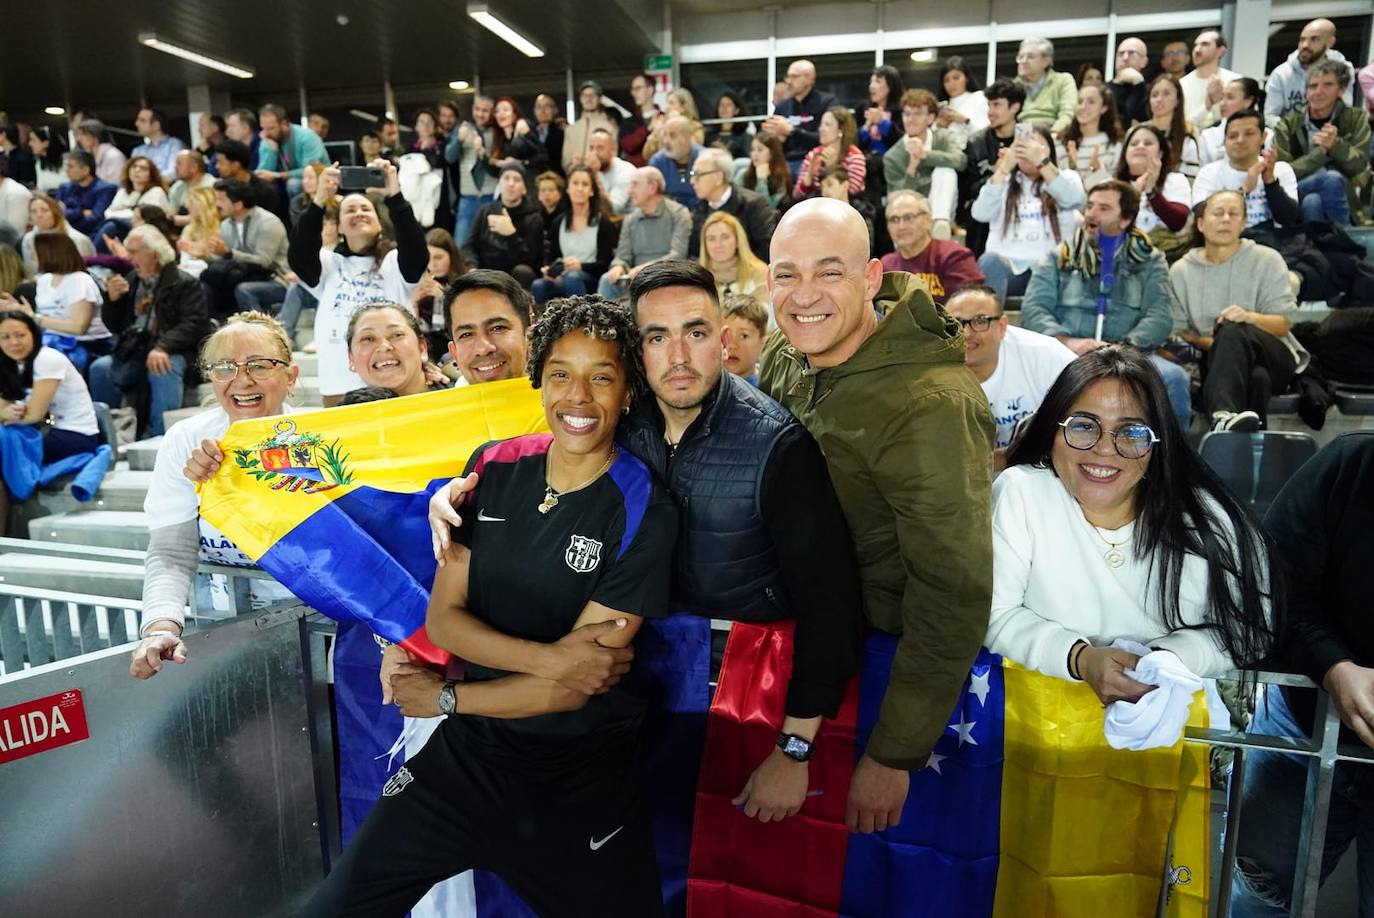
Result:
{"points": [[109, 379], [259, 295], [569, 283], [612, 291], [297, 300], [1178, 384], [1323, 198], [116, 228], [467, 209], [1002, 276], [1267, 851]]}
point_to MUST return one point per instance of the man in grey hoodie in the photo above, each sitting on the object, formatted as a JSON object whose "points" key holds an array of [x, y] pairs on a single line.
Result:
{"points": [[1286, 89]]}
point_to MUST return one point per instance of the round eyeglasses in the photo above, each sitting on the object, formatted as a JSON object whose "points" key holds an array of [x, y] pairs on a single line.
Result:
{"points": [[1132, 441], [257, 368]]}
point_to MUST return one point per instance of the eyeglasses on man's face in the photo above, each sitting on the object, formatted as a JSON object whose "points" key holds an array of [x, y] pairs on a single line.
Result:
{"points": [[1132, 441], [901, 219], [978, 323]]}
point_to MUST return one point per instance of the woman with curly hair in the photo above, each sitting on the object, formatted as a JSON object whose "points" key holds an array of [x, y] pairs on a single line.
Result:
{"points": [[533, 775]]}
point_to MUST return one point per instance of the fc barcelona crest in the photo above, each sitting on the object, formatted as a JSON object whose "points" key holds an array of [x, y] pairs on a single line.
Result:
{"points": [[583, 554], [295, 461]]}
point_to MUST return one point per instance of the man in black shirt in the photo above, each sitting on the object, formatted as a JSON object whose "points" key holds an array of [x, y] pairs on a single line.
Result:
{"points": [[1322, 523], [508, 234], [1005, 99], [797, 120], [233, 160]]}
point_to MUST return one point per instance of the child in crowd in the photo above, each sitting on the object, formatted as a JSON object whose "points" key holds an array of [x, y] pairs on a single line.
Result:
{"points": [[747, 320]]}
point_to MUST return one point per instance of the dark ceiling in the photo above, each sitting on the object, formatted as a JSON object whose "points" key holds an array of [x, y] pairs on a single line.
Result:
{"points": [[81, 52]]}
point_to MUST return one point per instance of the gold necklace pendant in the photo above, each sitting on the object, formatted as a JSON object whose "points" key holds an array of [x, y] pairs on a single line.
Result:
{"points": [[549, 502]]}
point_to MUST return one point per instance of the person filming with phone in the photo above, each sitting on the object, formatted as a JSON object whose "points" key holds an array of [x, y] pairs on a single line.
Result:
{"points": [[508, 234]]}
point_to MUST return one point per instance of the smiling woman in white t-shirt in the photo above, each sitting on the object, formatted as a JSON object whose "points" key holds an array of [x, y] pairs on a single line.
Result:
{"points": [[248, 362], [38, 383], [66, 300]]}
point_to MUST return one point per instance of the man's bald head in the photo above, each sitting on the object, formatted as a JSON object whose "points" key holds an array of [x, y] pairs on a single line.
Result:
{"points": [[801, 77], [822, 280], [1318, 37]]}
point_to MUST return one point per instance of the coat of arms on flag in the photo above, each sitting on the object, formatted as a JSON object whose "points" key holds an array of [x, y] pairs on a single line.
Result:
{"points": [[297, 459]]}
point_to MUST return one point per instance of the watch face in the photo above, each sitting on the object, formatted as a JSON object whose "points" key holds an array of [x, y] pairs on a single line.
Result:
{"points": [[796, 747], [446, 700]]}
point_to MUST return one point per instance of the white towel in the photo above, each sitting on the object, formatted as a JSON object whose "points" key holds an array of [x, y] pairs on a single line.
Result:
{"points": [[1157, 720]]}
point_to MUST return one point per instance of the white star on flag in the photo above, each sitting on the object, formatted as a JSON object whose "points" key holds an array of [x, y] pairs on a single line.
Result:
{"points": [[965, 730], [979, 686], [933, 763]]}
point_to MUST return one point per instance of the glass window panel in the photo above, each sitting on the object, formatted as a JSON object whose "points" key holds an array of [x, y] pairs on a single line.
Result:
{"points": [[747, 79], [925, 74]]}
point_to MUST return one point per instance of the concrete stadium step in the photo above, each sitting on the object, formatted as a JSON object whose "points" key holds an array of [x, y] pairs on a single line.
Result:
{"points": [[104, 528], [121, 489], [309, 363], [180, 414], [305, 393], [50, 572], [142, 454]]}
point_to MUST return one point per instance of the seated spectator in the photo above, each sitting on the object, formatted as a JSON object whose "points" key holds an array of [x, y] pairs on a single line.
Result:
{"points": [[21, 162], [489, 314], [1202, 87], [1232, 300], [1286, 88], [211, 130], [716, 193], [247, 264], [319, 124], [141, 183], [838, 136], [512, 140], [1147, 163], [747, 320], [963, 106], [46, 215], [1328, 144], [84, 196], [159, 146], [641, 122], [191, 173], [941, 264], [370, 147], [1015, 366], [425, 175], [66, 301], [1175, 58], [984, 153], [835, 184], [1029, 206], [725, 252], [1322, 527], [159, 313], [241, 126], [234, 158], [615, 173], [676, 160], [40, 387], [552, 198], [581, 242], [882, 122], [546, 129], [658, 228], [1089, 72], [1269, 186], [680, 104], [298, 299], [796, 119], [12, 270], [766, 173], [387, 347], [1366, 81], [285, 150], [508, 234], [1087, 549], [1107, 284], [1166, 115], [309, 182], [1091, 144], [390, 133], [926, 160], [14, 199], [201, 234], [732, 137], [1128, 89], [577, 137], [49, 158], [427, 300], [93, 137], [1051, 97], [1238, 96], [151, 216]]}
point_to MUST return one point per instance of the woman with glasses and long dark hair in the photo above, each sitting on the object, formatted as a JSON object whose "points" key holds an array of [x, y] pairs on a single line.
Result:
{"points": [[1107, 525]]}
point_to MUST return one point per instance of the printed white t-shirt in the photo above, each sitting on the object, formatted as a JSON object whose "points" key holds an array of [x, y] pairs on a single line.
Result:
{"points": [[56, 301], [71, 406], [1028, 363], [1222, 176], [347, 282]]}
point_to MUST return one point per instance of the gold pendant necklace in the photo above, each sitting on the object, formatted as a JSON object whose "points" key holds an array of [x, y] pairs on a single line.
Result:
{"points": [[551, 496]]}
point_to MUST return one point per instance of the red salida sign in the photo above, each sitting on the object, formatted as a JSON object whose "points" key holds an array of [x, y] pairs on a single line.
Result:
{"points": [[42, 724]]}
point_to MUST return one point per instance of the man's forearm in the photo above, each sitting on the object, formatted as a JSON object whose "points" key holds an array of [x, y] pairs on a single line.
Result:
{"points": [[512, 697]]}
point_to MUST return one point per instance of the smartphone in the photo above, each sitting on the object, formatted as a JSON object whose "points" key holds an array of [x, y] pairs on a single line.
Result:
{"points": [[556, 268], [356, 178], [1026, 132]]}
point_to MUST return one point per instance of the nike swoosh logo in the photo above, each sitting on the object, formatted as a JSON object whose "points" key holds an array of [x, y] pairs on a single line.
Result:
{"points": [[482, 517], [596, 845]]}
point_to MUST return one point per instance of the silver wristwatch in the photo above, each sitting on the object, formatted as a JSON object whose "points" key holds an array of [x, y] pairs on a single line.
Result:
{"points": [[448, 701]]}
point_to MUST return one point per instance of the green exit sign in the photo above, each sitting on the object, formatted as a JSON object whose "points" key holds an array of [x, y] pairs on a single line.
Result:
{"points": [[656, 63]]}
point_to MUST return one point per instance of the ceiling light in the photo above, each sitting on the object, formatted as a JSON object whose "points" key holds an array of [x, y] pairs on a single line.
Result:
{"points": [[54, 110], [366, 116], [459, 85], [924, 56], [149, 40], [484, 17]]}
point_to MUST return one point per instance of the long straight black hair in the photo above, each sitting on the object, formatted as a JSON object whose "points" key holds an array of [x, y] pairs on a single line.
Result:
{"points": [[1182, 508], [17, 378]]}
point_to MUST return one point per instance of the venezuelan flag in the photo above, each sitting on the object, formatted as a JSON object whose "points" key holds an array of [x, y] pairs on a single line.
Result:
{"points": [[1021, 810]]}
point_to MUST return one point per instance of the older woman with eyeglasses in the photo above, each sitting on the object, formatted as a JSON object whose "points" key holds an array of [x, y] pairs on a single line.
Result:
{"points": [[1107, 525]]}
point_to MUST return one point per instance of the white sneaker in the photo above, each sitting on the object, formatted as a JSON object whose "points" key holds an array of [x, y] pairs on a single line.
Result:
{"points": [[1237, 421]]}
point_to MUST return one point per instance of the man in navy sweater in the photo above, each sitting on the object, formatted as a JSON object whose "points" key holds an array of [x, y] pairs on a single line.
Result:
{"points": [[84, 197]]}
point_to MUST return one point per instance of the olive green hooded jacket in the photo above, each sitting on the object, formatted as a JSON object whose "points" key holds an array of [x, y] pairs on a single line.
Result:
{"points": [[908, 439]]}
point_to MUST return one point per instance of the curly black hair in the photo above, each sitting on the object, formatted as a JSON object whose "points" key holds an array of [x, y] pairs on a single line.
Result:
{"points": [[597, 316]]}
